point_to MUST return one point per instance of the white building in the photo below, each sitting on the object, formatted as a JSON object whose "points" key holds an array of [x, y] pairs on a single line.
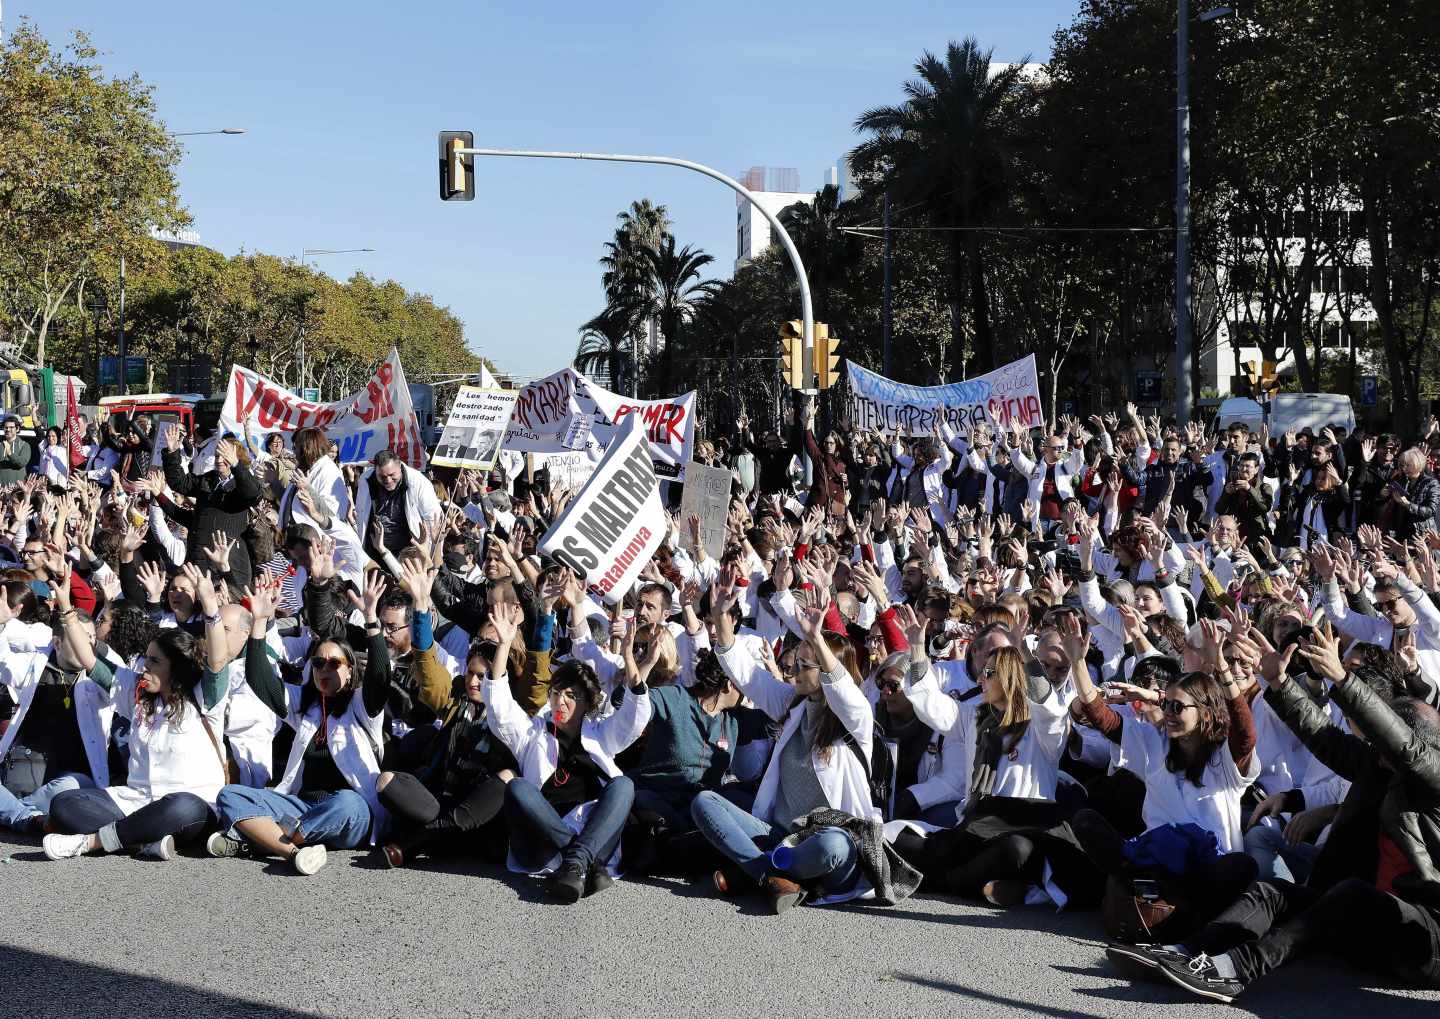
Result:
{"points": [[1338, 313], [775, 188]]}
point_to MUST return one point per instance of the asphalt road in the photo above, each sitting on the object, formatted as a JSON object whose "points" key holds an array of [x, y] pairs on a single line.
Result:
{"points": [[115, 936]]}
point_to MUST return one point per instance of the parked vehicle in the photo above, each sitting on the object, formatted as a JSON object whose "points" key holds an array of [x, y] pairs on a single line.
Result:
{"points": [[1289, 410]]}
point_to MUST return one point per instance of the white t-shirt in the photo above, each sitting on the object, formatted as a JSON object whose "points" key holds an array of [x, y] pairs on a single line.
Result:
{"points": [[1171, 798]]}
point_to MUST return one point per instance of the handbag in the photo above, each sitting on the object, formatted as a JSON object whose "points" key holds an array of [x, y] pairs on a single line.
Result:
{"points": [[1130, 917], [228, 767]]}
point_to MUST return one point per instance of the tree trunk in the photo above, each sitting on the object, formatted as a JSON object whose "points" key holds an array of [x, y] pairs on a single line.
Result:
{"points": [[1377, 232], [956, 370], [980, 303]]}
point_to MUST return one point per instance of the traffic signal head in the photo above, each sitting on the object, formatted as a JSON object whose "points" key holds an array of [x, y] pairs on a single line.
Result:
{"points": [[457, 172], [792, 354], [826, 363]]}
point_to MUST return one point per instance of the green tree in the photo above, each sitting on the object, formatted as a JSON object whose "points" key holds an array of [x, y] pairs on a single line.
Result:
{"points": [[946, 150], [85, 168], [675, 276], [607, 344]]}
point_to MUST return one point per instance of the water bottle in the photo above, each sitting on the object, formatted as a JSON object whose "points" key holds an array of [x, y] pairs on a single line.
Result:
{"points": [[782, 856]]}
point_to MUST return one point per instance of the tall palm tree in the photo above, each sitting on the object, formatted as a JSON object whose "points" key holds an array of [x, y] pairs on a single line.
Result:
{"points": [[815, 229], [606, 344], [626, 277], [677, 286], [946, 150]]}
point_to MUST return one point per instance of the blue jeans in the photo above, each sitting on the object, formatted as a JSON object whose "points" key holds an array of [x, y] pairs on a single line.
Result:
{"points": [[340, 821], [1278, 859], [16, 810], [86, 811], [829, 858], [538, 832]]}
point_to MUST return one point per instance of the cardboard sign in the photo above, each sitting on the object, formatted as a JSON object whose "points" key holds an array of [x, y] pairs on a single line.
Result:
{"points": [[1011, 393], [612, 528], [566, 412], [706, 495], [378, 417], [475, 428]]}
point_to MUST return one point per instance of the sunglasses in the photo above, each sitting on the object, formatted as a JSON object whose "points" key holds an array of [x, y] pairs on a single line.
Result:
{"points": [[1174, 707], [796, 667], [332, 662], [393, 628], [1386, 604], [887, 686]]}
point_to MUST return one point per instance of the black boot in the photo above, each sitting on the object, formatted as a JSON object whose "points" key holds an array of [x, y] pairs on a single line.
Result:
{"points": [[568, 883]]}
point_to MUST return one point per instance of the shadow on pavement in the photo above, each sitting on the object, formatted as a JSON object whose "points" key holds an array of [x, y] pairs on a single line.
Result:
{"points": [[43, 986]]}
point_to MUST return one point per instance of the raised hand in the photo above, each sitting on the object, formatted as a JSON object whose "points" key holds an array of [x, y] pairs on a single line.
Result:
{"points": [[1322, 651], [204, 588], [506, 617], [418, 581], [219, 551], [152, 579], [322, 558], [911, 625], [368, 601], [263, 600]]}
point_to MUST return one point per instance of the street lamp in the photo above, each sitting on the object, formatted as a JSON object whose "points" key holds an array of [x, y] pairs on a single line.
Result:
{"points": [[124, 382], [305, 256]]}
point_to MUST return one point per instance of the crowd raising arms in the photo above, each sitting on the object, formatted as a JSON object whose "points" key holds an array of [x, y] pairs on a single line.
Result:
{"points": [[1186, 678]]}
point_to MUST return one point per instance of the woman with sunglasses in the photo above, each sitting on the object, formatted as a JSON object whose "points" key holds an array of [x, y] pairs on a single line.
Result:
{"points": [[568, 808], [326, 796], [826, 727], [1196, 768], [928, 781]]}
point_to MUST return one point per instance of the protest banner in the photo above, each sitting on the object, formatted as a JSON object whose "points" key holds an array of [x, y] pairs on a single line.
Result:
{"points": [[566, 470], [566, 412], [475, 428], [612, 528], [1009, 393], [707, 496], [378, 417]]}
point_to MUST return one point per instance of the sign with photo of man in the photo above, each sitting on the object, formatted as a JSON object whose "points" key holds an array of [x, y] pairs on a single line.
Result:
{"points": [[475, 429]]}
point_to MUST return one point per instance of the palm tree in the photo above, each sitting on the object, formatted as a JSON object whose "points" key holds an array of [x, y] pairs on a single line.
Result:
{"points": [[815, 229], [675, 276], [626, 276], [606, 344], [946, 150]]}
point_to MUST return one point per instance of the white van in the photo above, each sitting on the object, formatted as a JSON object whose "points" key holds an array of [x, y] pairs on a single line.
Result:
{"points": [[1290, 410]]}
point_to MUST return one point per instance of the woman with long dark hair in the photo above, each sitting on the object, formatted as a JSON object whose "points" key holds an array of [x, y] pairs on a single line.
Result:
{"points": [[177, 761], [1196, 766]]}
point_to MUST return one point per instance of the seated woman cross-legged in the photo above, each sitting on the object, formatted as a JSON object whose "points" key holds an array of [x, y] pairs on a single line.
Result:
{"points": [[177, 710], [326, 795], [568, 808], [813, 765]]}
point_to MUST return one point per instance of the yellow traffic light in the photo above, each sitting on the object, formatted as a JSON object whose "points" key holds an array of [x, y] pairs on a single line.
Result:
{"points": [[457, 177], [825, 362], [792, 354]]}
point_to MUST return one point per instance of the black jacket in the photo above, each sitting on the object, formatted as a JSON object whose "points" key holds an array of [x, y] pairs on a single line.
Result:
{"points": [[216, 509]]}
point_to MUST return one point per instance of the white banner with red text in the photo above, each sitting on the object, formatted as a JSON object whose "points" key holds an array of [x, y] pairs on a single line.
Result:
{"points": [[380, 416], [566, 412], [612, 528]]}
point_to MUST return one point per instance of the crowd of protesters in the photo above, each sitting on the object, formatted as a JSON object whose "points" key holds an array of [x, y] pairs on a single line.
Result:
{"points": [[1183, 677]]}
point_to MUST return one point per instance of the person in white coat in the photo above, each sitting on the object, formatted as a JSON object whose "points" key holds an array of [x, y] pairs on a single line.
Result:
{"points": [[568, 807], [326, 796], [316, 470], [821, 760], [177, 763]]}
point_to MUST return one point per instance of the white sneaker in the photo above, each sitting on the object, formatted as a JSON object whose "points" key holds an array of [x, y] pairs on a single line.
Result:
{"points": [[162, 850], [66, 847], [308, 859]]}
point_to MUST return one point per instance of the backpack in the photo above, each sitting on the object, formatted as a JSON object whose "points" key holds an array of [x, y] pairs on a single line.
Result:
{"points": [[879, 773]]}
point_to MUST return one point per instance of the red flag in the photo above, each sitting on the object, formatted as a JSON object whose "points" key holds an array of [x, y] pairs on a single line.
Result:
{"points": [[74, 427]]}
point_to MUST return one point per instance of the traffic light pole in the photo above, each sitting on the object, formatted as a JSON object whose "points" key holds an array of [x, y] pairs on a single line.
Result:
{"points": [[806, 311]]}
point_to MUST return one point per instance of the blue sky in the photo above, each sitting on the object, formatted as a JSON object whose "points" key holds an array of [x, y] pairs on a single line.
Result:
{"points": [[342, 102]]}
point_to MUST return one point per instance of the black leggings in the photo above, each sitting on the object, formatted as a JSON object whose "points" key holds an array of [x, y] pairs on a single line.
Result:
{"points": [[424, 821], [86, 811]]}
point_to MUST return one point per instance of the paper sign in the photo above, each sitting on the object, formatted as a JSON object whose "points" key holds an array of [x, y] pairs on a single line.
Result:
{"points": [[1007, 394], [378, 417], [706, 495], [612, 528], [475, 428]]}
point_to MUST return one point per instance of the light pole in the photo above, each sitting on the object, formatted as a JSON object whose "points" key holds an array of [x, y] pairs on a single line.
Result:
{"points": [[305, 257], [1184, 341], [806, 311], [120, 372]]}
